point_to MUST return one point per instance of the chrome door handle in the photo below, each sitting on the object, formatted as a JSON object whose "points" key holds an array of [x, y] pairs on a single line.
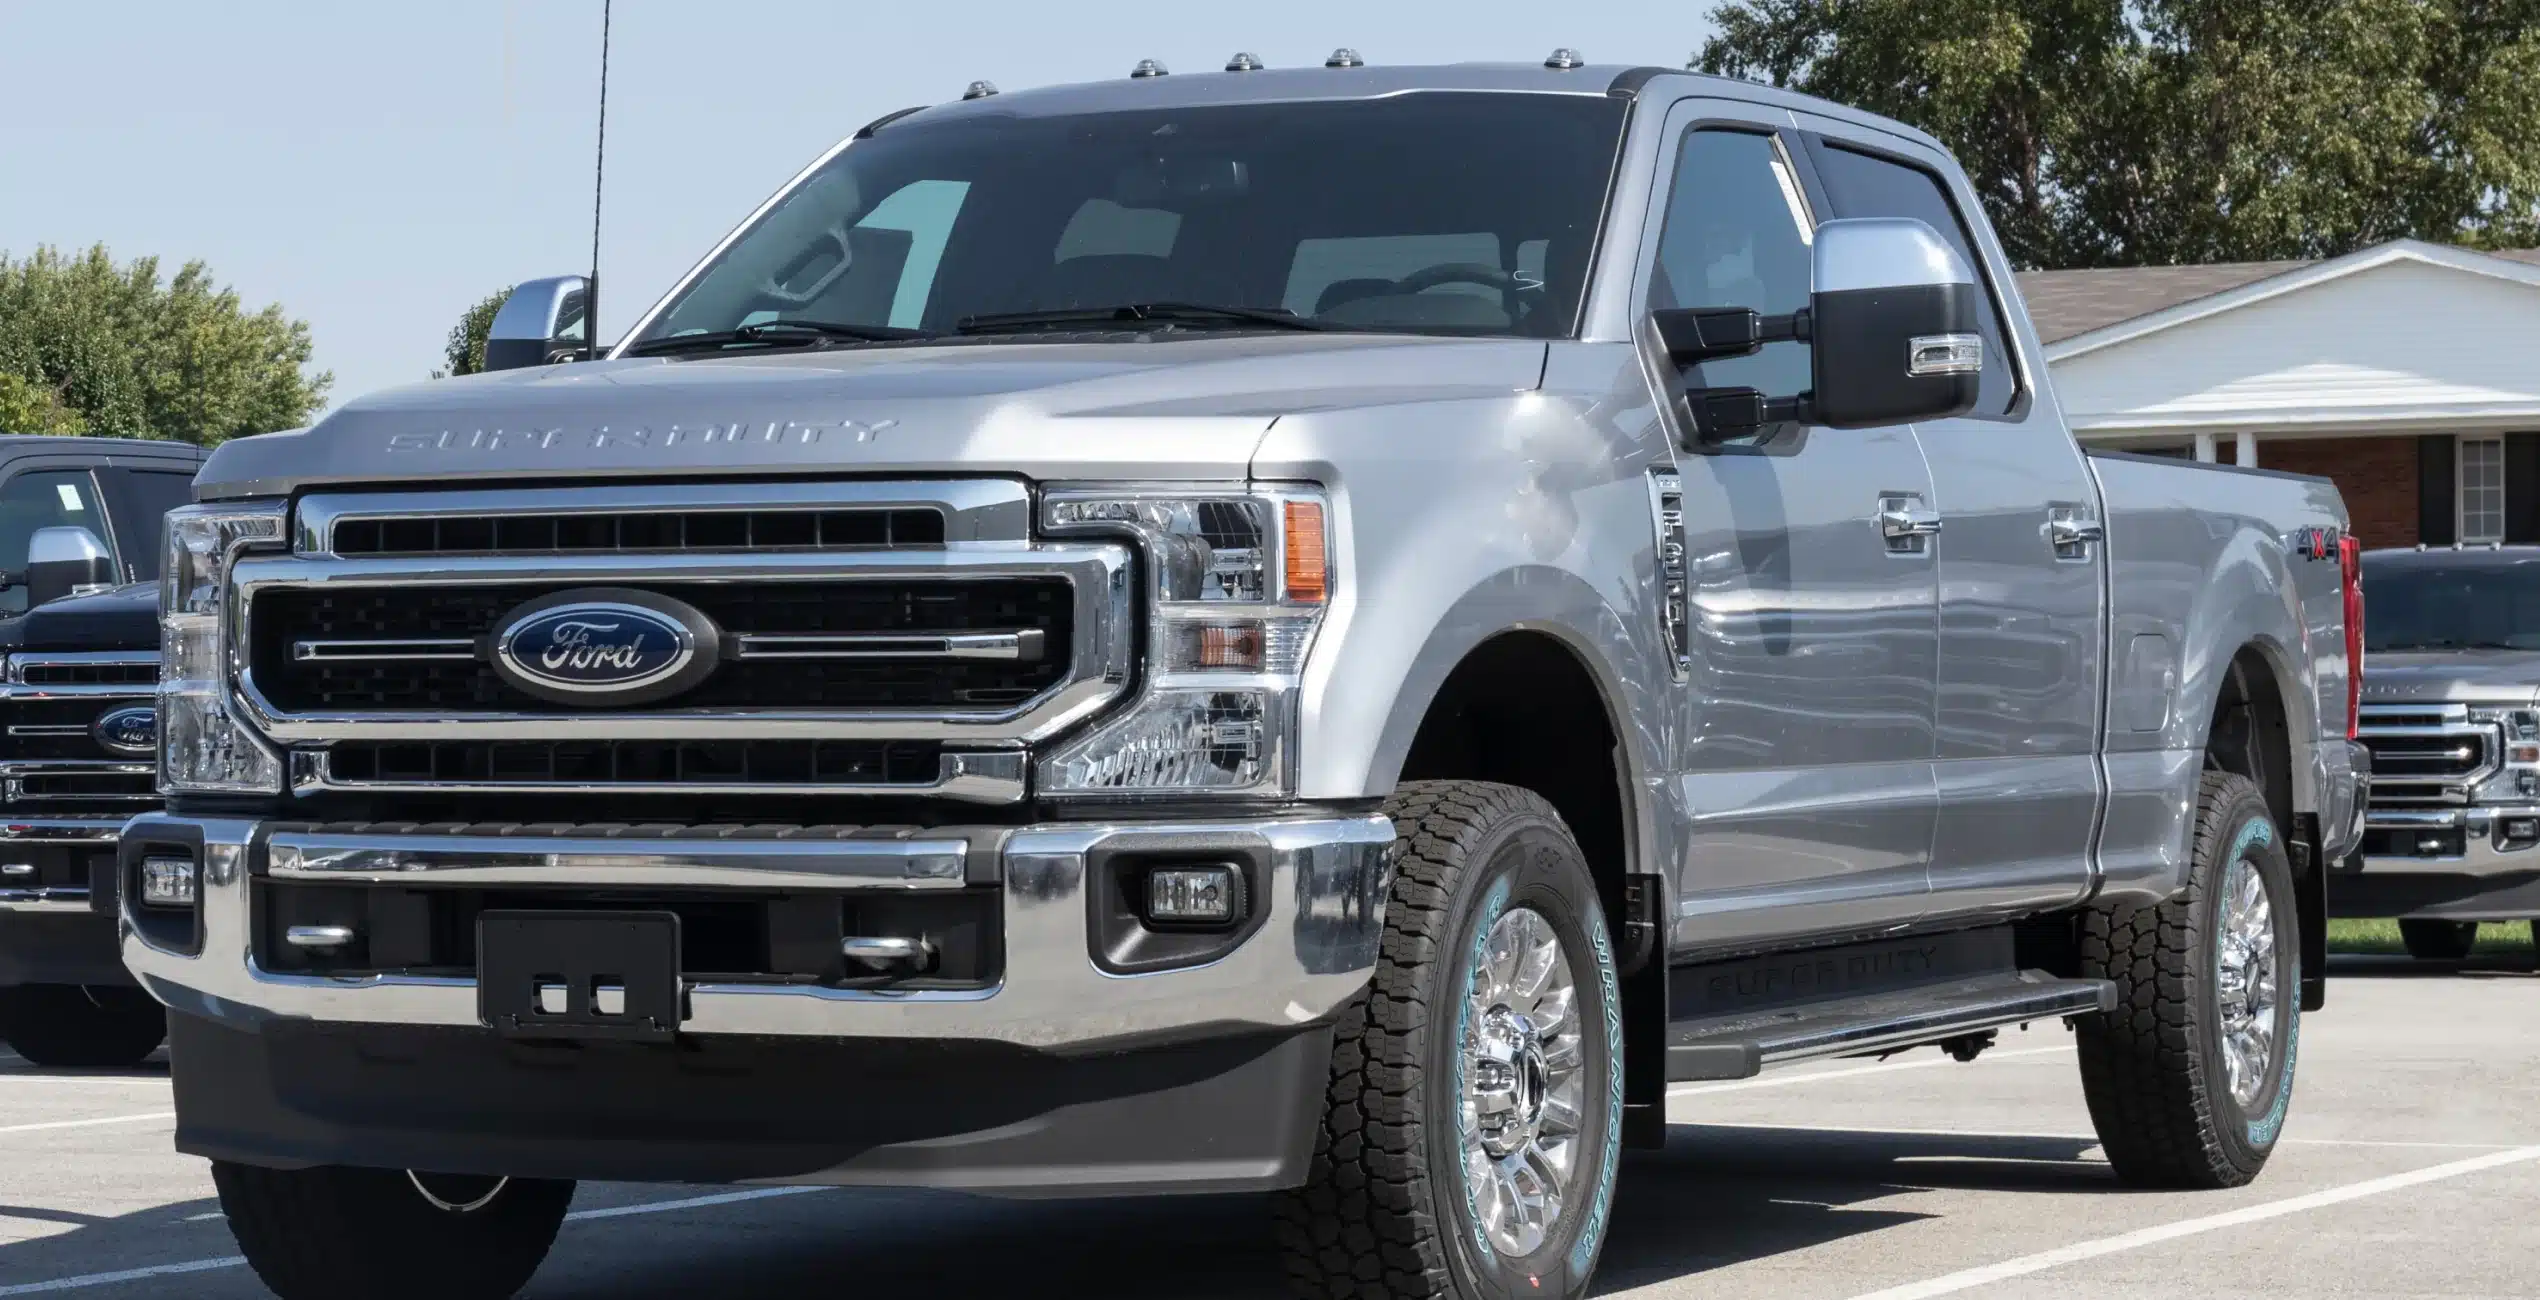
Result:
{"points": [[2075, 532], [1907, 519]]}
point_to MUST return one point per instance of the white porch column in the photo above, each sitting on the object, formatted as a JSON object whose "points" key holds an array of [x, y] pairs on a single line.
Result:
{"points": [[2245, 450], [2205, 448]]}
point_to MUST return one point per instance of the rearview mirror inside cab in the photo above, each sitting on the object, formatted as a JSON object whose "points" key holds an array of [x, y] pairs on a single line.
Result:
{"points": [[1892, 325]]}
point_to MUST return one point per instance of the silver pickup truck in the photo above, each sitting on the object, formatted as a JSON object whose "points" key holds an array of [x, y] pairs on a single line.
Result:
{"points": [[79, 664], [1331, 631], [2451, 710]]}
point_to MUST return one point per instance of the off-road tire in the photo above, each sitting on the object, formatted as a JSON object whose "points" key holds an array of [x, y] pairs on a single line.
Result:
{"points": [[335, 1233], [1384, 1214], [71, 1026], [2439, 940], [2152, 1070]]}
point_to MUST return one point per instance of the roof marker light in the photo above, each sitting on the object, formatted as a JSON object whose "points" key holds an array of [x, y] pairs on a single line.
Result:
{"points": [[1244, 63], [1148, 68], [1344, 57], [980, 90], [1564, 59]]}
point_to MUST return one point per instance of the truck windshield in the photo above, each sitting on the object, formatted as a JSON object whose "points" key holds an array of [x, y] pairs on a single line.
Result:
{"points": [[1443, 213], [2417, 606]]}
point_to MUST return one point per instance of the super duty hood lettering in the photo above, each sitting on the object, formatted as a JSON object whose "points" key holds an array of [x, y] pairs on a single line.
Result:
{"points": [[736, 433]]}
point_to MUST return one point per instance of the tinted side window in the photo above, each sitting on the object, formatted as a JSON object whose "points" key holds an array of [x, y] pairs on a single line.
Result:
{"points": [[1737, 234], [149, 494], [43, 498], [1865, 185]]}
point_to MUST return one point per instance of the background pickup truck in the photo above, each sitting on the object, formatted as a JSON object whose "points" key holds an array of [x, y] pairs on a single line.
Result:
{"points": [[1330, 631], [79, 663], [2451, 709]]}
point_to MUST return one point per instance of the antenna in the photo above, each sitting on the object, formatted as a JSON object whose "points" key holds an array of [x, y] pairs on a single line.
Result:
{"points": [[599, 163]]}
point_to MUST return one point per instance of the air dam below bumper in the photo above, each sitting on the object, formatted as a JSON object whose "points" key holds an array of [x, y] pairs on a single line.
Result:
{"points": [[1060, 1078], [57, 925]]}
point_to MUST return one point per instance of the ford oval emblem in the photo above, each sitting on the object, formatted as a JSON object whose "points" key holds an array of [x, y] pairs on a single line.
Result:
{"points": [[605, 647], [132, 730]]}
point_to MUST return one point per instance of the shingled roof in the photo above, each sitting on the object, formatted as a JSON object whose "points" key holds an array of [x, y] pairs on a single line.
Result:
{"points": [[2069, 303]]}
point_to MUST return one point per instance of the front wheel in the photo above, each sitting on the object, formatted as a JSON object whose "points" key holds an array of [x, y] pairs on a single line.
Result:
{"points": [[71, 1026], [2190, 1077], [335, 1232], [1474, 1119]]}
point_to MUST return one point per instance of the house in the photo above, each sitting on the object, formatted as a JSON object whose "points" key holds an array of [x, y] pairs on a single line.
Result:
{"points": [[2407, 372]]}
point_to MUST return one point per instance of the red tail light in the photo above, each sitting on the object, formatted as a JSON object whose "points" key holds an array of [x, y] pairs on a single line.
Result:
{"points": [[2350, 571]]}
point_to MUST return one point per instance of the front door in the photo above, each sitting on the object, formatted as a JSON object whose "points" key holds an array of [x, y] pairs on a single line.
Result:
{"points": [[1805, 744]]}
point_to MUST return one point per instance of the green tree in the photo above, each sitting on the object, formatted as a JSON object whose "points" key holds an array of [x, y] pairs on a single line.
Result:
{"points": [[89, 346], [464, 353], [2146, 132]]}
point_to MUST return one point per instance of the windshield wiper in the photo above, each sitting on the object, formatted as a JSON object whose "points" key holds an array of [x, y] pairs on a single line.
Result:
{"points": [[777, 332], [1138, 314]]}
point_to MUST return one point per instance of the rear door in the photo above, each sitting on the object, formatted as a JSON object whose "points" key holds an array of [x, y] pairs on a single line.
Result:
{"points": [[2020, 585], [1805, 725]]}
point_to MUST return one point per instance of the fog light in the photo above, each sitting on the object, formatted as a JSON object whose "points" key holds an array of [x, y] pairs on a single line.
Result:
{"points": [[2527, 784], [167, 882], [2522, 828], [1194, 895]]}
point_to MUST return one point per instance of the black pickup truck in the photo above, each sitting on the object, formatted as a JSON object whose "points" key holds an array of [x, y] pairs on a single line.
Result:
{"points": [[79, 565]]}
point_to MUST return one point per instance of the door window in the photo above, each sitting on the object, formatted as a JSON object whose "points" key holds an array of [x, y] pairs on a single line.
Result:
{"points": [[1737, 234], [149, 494], [1866, 185], [43, 498]]}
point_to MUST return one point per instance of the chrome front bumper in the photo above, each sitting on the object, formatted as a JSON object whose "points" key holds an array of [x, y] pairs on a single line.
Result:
{"points": [[1312, 952], [2480, 855], [82, 832]]}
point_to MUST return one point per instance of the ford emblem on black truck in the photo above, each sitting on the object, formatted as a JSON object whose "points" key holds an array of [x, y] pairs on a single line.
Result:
{"points": [[604, 646], [132, 730]]}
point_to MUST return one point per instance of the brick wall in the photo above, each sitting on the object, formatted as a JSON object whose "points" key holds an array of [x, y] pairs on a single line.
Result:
{"points": [[2377, 476]]}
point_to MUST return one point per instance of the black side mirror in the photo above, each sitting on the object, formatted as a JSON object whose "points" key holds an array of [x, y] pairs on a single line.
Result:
{"points": [[1895, 325], [543, 321], [1892, 325], [65, 561]]}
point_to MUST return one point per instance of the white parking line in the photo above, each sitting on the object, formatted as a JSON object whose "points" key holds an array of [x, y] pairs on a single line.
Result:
{"points": [[2024, 1265], [86, 1280], [1792, 1080], [2091, 1138], [88, 1123]]}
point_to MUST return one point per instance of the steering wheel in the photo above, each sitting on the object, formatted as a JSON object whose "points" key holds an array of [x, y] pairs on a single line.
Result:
{"points": [[1430, 277]]}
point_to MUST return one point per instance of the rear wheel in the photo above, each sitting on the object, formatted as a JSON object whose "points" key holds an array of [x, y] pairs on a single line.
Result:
{"points": [[1474, 1119], [334, 1232], [2439, 940], [2189, 1079], [72, 1026]]}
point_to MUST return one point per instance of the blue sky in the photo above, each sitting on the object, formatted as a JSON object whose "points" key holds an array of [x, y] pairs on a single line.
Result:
{"points": [[377, 167]]}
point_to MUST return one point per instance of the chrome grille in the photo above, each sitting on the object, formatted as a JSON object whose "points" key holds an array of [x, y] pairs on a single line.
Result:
{"points": [[50, 758], [2428, 753], [889, 638]]}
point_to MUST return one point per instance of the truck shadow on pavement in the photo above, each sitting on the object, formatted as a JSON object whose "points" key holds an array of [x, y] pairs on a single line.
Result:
{"points": [[1716, 1196]]}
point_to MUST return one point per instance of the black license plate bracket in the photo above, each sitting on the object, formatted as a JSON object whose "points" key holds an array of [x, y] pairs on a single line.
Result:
{"points": [[579, 974]]}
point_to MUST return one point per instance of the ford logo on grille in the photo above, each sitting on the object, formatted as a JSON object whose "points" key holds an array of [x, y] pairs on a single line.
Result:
{"points": [[605, 647], [131, 730]]}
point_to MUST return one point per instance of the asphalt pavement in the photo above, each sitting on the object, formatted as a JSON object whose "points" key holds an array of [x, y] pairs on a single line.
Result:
{"points": [[2410, 1168]]}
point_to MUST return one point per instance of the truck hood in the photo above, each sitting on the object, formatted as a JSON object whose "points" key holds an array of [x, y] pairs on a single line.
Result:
{"points": [[2492, 676], [126, 618], [1114, 407]]}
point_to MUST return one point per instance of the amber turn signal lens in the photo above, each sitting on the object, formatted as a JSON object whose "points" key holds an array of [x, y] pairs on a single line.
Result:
{"points": [[1308, 567]]}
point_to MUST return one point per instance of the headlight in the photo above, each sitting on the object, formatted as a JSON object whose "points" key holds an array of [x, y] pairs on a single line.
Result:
{"points": [[201, 747], [1240, 579]]}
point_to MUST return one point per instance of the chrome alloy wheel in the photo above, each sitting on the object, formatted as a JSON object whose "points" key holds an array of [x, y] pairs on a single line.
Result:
{"points": [[2244, 981], [1524, 1083]]}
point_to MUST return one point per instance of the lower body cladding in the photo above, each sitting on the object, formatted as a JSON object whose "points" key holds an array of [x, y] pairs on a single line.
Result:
{"points": [[2456, 864], [57, 901], [1000, 1010]]}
